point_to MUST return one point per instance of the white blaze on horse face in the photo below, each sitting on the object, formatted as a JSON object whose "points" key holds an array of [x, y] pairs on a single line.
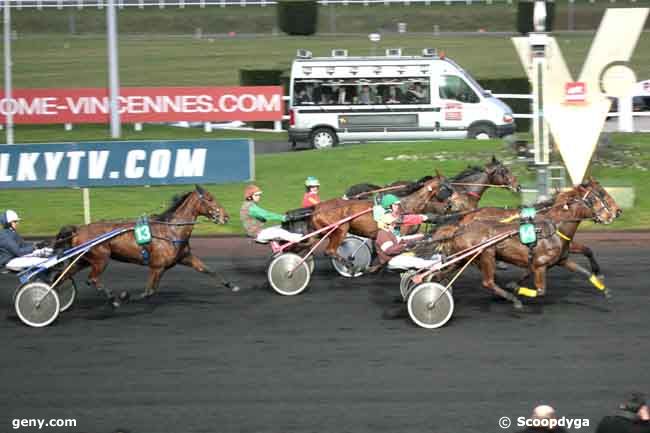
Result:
{"points": [[576, 127]]}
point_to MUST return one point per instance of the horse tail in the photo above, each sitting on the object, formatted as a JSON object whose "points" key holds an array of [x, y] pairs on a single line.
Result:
{"points": [[64, 237]]}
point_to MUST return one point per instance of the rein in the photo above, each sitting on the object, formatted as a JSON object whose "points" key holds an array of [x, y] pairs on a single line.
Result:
{"points": [[479, 184], [374, 191]]}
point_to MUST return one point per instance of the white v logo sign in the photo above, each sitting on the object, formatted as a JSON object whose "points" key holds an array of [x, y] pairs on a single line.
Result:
{"points": [[577, 126]]}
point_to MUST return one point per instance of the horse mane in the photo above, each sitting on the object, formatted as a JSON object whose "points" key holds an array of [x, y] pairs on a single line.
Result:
{"points": [[469, 171], [176, 202]]}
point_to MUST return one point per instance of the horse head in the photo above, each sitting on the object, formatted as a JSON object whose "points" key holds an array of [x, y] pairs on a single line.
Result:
{"points": [[499, 174], [603, 206], [440, 193], [209, 207]]}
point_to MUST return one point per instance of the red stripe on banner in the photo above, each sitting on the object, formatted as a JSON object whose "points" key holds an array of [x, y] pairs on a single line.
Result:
{"points": [[145, 104]]}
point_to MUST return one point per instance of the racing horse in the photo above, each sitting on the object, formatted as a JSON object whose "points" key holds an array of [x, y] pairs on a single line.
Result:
{"points": [[330, 212], [169, 246], [470, 184], [499, 214], [586, 201]]}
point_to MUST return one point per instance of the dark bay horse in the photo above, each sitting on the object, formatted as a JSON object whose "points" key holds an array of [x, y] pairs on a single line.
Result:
{"points": [[332, 211], [495, 214], [586, 201], [169, 246], [470, 184]]}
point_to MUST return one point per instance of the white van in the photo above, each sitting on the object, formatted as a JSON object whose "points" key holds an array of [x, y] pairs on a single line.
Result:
{"points": [[340, 99]]}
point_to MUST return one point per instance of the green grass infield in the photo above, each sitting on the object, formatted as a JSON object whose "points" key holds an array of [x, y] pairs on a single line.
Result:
{"points": [[625, 162]]}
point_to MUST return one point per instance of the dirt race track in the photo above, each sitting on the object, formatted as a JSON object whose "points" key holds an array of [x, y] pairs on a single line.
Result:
{"points": [[202, 359]]}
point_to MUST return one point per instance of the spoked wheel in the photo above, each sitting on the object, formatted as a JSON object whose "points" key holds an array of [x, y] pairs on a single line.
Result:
{"points": [[37, 305], [430, 305], [67, 291], [286, 277], [358, 252], [405, 284]]}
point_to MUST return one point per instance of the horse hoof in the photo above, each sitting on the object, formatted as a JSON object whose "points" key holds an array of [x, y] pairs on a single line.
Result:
{"points": [[232, 286], [115, 303], [517, 304], [145, 295], [125, 296]]}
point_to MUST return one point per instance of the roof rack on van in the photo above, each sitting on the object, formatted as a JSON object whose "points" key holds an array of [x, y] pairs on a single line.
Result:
{"points": [[429, 52], [393, 52], [337, 52], [303, 54]]}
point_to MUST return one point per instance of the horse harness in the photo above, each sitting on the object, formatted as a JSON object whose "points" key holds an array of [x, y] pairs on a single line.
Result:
{"points": [[143, 236]]}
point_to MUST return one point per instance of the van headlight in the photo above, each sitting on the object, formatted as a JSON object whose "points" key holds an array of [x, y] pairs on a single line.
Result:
{"points": [[507, 118]]}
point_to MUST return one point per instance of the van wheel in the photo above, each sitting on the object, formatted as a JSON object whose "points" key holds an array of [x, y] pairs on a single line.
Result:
{"points": [[323, 138], [481, 132]]}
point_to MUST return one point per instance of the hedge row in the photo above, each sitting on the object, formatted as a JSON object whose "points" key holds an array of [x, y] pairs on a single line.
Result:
{"points": [[298, 17]]}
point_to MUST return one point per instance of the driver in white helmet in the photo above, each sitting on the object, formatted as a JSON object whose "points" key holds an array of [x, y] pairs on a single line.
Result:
{"points": [[15, 253]]}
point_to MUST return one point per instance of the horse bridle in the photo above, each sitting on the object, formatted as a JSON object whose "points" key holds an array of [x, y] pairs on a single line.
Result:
{"points": [[590, 203], [215, 215], [444, 191], [502, 170]]}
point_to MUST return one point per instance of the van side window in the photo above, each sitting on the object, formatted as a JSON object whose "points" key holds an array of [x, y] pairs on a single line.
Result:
{"points": [[361, 91], [455, 88]]}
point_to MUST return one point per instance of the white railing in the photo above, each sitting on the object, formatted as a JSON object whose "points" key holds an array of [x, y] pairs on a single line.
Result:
{"points": [[100, 4], [80, 4]]}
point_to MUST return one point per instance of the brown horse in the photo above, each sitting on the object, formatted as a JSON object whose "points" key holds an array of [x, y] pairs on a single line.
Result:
{"points": [[169, 246], [472, 183], [332, 211], [586, 201], [495, 214]]}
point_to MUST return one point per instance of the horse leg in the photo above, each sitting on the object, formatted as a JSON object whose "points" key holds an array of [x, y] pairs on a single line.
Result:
{"points": [[152, 282], [593, 278], [540, 280], [197, 264], [97, 267], [578, 248], [334, 241], [487, 265]]}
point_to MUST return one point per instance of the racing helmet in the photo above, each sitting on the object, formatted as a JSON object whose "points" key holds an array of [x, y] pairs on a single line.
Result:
{"points": [[250, 190], [10, 216], [311, 181], [388, 200]]}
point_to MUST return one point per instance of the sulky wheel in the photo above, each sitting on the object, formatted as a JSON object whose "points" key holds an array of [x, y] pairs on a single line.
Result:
{"points": [[286, 277], [67, 291], [405, 284], [430, 305], [310, 262], [359, 254], [36, 304]]}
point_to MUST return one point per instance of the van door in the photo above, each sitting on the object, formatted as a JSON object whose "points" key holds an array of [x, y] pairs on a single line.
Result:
{"points": [[461, 105]]}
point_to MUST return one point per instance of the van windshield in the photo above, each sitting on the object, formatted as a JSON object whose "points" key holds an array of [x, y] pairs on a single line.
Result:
{"points": [[361, 91], [470, 79]]}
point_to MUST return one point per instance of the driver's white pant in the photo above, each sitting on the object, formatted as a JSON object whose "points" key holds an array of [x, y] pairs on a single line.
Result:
{"points": [[19, 263], [277, 233], [408, 261]]}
